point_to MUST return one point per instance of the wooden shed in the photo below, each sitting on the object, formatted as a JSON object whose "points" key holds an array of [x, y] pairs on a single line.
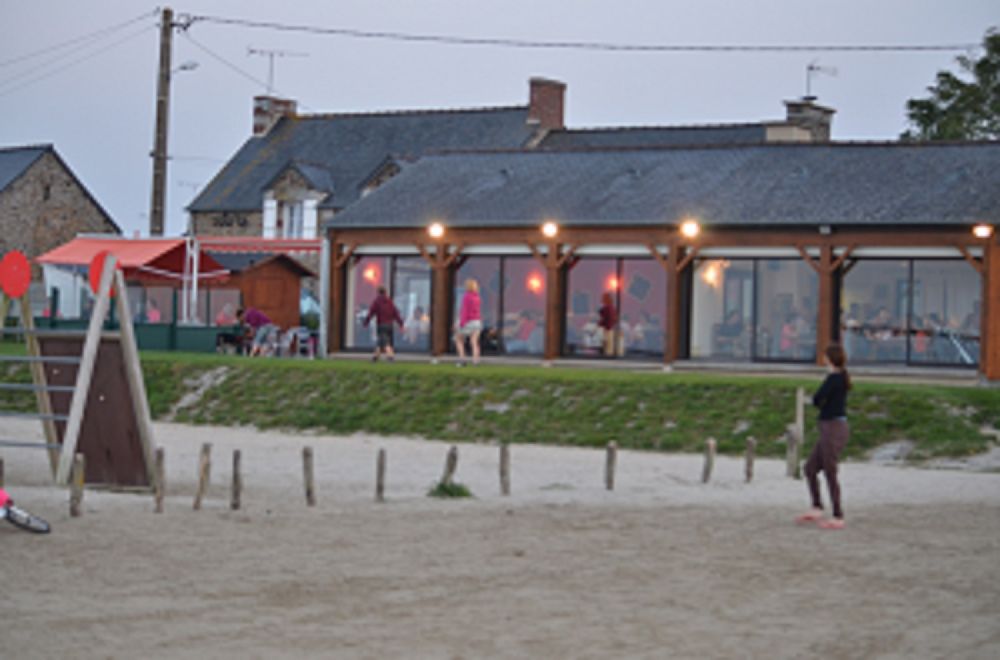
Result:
{"points": [[271, 283]]}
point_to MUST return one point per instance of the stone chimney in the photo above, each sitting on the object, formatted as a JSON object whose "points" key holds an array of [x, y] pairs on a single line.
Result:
{"points": [[805, 113], [545, 106], [267, 110]]}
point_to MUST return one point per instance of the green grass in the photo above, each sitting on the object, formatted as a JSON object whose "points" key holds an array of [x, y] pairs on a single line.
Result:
{"points": [[452, 490], [565, 406]]}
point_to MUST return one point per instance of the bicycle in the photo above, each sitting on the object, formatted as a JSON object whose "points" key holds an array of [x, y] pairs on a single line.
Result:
{"points": [[20, 518]]}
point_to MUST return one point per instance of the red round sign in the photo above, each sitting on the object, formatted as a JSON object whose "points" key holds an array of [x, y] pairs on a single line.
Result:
{"points": [[96, 268], [15, 274]]}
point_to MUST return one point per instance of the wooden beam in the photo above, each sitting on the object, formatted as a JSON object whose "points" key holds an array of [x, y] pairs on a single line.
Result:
{"points": [[450, 259], [688, 258], [807, 258], [653, 250], [825, 308], [844, 256], [340, 259], [570, 251], [431, 260], [536, 254], [975, 263]]}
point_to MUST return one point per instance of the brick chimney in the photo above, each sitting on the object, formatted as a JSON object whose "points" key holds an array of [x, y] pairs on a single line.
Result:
{"points": [[267, 110], [808, 115], [546, 102]]}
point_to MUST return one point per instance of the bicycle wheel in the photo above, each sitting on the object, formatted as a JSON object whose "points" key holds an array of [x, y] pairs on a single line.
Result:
{"points": [[20, 518]]}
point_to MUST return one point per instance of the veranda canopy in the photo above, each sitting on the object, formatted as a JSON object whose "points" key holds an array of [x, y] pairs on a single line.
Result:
{"points": [[151, 259]]}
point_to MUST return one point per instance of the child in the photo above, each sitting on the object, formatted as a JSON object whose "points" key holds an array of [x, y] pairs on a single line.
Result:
{"points": [[831, 399]]}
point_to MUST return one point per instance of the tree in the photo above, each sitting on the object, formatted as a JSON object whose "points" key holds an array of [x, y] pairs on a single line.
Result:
{"points": [[957, 108]]}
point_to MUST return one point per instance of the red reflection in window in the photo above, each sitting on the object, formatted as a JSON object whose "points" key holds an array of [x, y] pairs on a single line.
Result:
{"points": [[535, 283], [612, 283], [372, 274]]}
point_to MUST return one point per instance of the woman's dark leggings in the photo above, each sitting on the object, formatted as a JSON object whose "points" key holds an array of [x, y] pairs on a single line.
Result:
{"points": [[832, 440]]}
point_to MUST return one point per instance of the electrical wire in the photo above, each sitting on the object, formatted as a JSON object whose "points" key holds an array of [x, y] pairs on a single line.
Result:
{"points": [[75, 62], [249, 76], [575, 45], [89, 36]]}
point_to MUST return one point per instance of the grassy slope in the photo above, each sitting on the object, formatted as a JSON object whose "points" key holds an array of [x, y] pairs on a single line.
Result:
{"points": [[673, 412]]}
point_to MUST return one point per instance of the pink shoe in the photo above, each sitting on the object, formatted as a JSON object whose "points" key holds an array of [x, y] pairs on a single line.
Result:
{"points": [[810, 516], [832, 523]]}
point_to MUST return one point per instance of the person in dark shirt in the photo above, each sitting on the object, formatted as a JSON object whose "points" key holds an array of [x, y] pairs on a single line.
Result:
{"points": [[384, 311], [831, 399], [607, 321]]}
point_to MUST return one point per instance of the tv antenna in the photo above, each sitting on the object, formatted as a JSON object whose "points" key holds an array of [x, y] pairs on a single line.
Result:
{"points": [[813, 69], [270, 54]]}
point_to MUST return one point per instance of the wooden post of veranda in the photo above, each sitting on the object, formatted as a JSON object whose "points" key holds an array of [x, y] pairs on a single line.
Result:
{"points": [[160, 486], [706, 472], [204, 473], [307, 474], [76, 486], [237, 488], [610, 461], [450, 465], [380, 476], [504, 468], [751, 450]]}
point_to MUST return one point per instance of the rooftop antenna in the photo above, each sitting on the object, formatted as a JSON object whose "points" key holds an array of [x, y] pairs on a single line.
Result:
{"points": [[271, 53], [813, 69]]}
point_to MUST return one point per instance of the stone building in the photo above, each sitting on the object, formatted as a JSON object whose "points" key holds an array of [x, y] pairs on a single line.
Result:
{"points": [[43, 204]]}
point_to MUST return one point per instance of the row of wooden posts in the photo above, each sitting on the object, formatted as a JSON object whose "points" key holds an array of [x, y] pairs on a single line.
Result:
{"points": [[794, 439]]}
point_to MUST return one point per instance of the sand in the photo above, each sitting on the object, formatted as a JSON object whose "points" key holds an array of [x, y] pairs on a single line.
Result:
{"points": [[663, 566]]}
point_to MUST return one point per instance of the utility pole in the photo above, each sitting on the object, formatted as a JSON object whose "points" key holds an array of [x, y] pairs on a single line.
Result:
{"points": [[157, 204]]}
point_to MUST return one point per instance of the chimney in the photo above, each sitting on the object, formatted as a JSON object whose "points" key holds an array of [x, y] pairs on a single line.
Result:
{"points": [[267, 110], [545, 106], [808, 115]]}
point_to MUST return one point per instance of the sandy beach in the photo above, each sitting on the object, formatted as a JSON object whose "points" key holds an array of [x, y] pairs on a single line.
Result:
{"points": [[663, 566]]}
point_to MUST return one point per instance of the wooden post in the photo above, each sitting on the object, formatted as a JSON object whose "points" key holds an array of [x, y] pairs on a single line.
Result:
{"points": [[504, 468], [706, 472], [160, 486], [380, 476], [450, 465], [609, 465], [751, 450], [76, 486], [237, 488], [307, 473], [204, 473]]}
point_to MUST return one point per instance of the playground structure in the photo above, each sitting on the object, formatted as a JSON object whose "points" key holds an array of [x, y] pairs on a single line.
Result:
{"points": [[88, 385]]}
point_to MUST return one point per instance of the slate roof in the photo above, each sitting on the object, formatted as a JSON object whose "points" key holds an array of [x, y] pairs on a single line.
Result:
{"points": [[346, 148], [651, 136], [872, 184], [15, 161], [237, 262]]}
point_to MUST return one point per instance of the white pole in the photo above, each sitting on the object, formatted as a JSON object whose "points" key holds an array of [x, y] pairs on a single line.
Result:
{"points": [[324, 295], [196, 264]]}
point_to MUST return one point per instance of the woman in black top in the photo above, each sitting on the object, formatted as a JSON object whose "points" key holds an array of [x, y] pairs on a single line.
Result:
{"points": [[831, 399]]}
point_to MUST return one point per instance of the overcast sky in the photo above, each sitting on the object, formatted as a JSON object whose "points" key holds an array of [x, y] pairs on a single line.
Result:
{"points": [[94, 100]]}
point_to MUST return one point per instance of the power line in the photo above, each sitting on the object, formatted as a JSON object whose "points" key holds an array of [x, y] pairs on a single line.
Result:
{"points": [[233, 67], [577, 45], [86, 37], [71, 64]]}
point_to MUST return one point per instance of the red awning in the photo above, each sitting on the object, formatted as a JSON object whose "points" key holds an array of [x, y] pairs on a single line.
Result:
{"points": [[142, 259]]}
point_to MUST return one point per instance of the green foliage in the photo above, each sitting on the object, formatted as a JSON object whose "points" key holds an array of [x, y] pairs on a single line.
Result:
{"points": [[453, 489], [957, 108]]}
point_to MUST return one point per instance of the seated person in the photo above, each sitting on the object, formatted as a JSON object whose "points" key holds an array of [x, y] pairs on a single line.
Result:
{"points": [[728, 334], [260, 325], [520, 336]]}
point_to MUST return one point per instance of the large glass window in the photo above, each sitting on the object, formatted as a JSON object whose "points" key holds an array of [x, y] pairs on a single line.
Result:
{"points": [[786, 300], [591, 283], [722, 309], [363, 279], [946, 313], [523, 303], [411, 291], [643, 290], [635, 289], [874, 310]]}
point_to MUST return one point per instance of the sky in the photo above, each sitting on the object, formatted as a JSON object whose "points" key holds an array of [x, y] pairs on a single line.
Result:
{"points": [[94, 99]]}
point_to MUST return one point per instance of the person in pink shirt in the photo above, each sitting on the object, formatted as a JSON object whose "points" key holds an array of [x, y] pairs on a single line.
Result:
{"points": [[470, 322]]}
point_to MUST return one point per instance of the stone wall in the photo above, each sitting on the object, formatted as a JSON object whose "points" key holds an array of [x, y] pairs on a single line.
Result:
{"points": [[47, 207], [228, 223]]}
